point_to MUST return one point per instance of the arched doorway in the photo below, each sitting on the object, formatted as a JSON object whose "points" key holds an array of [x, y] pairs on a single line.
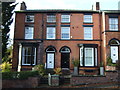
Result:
{"points": [[114, 49], [65, 57], [50, 57]]}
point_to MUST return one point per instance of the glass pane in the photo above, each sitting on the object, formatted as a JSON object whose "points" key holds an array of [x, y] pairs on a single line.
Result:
{"points": [[28, 32], [65, 49], [28, 59], [65, 32], [51, 18], [87, 33], [65, 18], [87, 18], [114, 42], [29, 51], [89, 61], [81, 56], [29, 18], [50, 32]]}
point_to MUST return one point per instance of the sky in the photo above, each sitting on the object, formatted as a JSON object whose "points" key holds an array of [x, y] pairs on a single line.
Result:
{"points": [[64, 4]]}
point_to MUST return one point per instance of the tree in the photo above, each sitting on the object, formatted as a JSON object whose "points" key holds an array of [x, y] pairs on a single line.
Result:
{"points": [[7, 12]]}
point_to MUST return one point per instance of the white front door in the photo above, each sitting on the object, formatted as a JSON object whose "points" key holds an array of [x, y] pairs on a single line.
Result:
{"points": [[114, 53], [50, 60]]}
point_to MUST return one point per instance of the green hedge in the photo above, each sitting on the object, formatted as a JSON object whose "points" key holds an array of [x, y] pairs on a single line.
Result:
{"points": [[19, 75]]}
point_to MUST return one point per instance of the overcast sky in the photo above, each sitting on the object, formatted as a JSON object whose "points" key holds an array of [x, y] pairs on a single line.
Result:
{"points": [[65, 4]]}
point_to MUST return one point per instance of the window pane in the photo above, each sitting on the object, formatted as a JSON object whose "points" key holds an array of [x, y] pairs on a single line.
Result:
{"points": [[50, 32], [95, 56], [87, 32], [65, 18], [88, 18], [28, 32], [65, 32], [29, 55], [81, 56], [89, 57], [30, 18], [51, 18], [113, 24]]}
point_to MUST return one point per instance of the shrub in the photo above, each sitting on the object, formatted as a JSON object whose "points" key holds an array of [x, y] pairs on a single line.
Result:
{"points": [[40, 68], [5, 67], [76, 62], [57, 71], [109, 62], [19, 75]]}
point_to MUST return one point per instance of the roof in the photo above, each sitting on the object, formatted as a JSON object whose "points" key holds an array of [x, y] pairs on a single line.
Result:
{"points": [[112, 11], [55, 11], [65, 11]]}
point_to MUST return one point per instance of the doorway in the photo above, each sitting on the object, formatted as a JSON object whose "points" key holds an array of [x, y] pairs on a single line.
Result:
{"points": [[65, 57]]}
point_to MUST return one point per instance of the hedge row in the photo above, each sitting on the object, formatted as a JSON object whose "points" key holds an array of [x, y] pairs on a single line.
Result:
{"points": [[19, 75]]}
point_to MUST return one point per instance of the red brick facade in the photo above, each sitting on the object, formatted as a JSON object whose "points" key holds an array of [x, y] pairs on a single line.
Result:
{"points": [[101, 36]]}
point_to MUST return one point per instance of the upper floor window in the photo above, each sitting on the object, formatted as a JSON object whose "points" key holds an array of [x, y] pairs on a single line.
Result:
{"points": [[51, 18], [88, 18], [29, 32], [88, 33], [65, 18], [29, 18], [29, 55], [113, 24], [65, 32], [50, 33]]}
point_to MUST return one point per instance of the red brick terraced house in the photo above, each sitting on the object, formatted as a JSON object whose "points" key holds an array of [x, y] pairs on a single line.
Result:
{"points": [[55, 37]]}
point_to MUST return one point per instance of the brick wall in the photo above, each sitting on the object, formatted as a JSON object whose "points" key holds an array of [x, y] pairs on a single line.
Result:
{"points": [[109, 77], [31, 82]]}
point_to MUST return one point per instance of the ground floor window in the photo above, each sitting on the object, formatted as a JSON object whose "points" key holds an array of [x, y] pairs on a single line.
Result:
{"points": [[28, 55], [88, 55]]}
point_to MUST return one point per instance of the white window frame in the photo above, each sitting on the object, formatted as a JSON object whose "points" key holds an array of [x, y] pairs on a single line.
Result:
{"points": [[81, 56], [62, 30], [83, 59], [91, 33], [29, 35], [23, 56], [51, 18], [113, 22], [48, 32], [29, 18], [92, 57], [65, 18], [88, 19], [96, 56]]}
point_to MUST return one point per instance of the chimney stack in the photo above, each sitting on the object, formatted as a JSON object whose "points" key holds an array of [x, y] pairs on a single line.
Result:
{"points": [[23, 6], [97, 6]]}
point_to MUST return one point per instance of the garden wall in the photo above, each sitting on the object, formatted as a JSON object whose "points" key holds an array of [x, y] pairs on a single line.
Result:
{"points": [[31, 82], [111, 76]]}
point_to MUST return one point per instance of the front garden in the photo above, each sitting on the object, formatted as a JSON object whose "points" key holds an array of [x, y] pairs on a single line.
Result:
{"points": [[39, 76]]}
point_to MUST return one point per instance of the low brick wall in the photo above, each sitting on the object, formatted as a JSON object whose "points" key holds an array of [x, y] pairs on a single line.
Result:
{"points": [[109, 77], [31, 82]]}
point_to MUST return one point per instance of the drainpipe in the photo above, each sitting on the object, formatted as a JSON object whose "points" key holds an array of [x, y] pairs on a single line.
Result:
{"points": [[20, 55], [104, 36]]}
